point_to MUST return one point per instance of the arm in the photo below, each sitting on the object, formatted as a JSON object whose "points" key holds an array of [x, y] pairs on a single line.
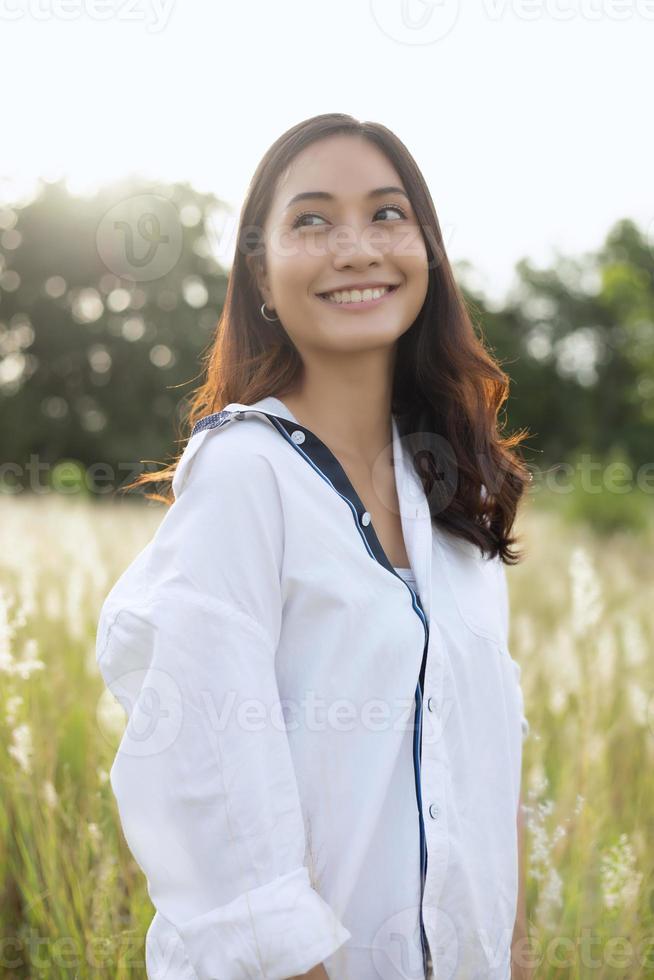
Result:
{"points": [[519, 950], [203, 776]]}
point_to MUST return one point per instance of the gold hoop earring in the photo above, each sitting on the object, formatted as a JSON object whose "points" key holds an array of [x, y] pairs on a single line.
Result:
{"points": [[270, 319]]}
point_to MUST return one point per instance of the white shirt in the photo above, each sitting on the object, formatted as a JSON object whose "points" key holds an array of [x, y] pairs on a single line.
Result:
{"points": [[274, 839]]}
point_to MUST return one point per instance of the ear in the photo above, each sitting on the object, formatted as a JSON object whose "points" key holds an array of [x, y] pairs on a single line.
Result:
{"points": [[257, 265]]}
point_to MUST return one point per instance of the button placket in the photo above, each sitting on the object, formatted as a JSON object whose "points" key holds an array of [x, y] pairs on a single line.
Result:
{"points": [[434, 795], [434, 670], [433, 773], [417, 544]]}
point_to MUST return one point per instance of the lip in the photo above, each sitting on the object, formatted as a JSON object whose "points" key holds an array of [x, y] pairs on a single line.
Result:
{"points": [[364, 304]]}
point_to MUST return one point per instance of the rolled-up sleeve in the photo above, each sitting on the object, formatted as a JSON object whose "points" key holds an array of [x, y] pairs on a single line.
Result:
{"points": [[203, 776]]}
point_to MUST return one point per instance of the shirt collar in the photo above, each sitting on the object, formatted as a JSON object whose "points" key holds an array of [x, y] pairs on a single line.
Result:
{"points": [[415, 515], [273, 405]]}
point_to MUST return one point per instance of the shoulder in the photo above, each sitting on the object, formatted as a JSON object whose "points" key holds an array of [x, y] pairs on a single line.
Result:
{"points": [[227, 452]]}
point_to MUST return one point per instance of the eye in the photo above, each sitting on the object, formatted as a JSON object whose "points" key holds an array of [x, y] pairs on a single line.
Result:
{"points": [[298, 223], [305, 214], [392, 207]]}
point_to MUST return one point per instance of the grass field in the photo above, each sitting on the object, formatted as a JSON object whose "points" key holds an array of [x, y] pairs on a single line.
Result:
{"points": [[73, 902]]}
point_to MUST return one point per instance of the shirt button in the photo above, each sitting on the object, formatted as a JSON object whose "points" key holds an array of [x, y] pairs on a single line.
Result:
{"points": [[430, 704], [434, 811], [365, 518], [298, 436]]}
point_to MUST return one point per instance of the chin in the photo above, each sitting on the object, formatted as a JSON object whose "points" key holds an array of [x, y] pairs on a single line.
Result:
{"points": [[349, 338]]}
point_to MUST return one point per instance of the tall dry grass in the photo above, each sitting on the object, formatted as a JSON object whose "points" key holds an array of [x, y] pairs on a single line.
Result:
{"points": [[74, 904]]}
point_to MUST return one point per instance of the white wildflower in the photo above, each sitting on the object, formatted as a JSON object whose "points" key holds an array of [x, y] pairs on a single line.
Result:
{"points": [[539, 851], [636, 650], [559, 831], [538, 783], [94, 833], [564, 660], [620, 881], [20, 619], [105, 875], [586, 592], [50, 794], [12, 704], [558, 699], [29, 662], [542, 844], [6, 633], [638, 702], [550, 899], [21, 748]]}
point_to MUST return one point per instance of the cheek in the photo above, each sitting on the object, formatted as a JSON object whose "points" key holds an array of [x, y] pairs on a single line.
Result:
{"points": [[292, 275], [292, 271], [410, 252], [412, 260]]}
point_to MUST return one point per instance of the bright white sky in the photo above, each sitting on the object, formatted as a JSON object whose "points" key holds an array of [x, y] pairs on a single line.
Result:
{"points": [[531, 119]]}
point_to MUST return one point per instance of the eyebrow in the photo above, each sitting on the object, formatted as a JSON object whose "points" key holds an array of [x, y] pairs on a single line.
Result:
{"points": [[326, 196]]}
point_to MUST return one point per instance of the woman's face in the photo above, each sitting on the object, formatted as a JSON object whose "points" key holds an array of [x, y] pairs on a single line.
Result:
{"points": [[352, 227]]}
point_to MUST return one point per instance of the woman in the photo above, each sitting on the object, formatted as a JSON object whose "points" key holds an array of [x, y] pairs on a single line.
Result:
{"points": [[321, 770]]}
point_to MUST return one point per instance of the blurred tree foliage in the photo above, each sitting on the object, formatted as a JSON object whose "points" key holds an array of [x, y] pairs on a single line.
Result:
{"points": [[107, 303], [577, 341]]}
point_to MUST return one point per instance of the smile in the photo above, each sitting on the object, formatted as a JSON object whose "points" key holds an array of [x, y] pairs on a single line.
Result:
{"points": [[356, 299]]}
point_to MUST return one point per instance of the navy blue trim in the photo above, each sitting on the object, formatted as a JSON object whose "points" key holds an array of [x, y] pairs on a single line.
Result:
{"points": [[327, 466], [417, 757]]}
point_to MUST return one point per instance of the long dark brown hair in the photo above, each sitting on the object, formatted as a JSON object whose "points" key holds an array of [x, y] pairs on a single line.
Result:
{"points": [[447, 387]]}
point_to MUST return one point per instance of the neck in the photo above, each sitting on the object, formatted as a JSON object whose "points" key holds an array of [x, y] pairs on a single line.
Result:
{"points": [[349, 409]]}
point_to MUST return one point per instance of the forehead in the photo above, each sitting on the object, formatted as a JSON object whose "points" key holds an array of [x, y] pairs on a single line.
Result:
{"points": [[345, 166]]}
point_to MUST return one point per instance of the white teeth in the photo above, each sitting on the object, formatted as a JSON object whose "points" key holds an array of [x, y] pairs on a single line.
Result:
{"points": [[356, 295]]}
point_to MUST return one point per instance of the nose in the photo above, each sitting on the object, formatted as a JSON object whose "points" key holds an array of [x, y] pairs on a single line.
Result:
{"points": [[358, 248]]}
